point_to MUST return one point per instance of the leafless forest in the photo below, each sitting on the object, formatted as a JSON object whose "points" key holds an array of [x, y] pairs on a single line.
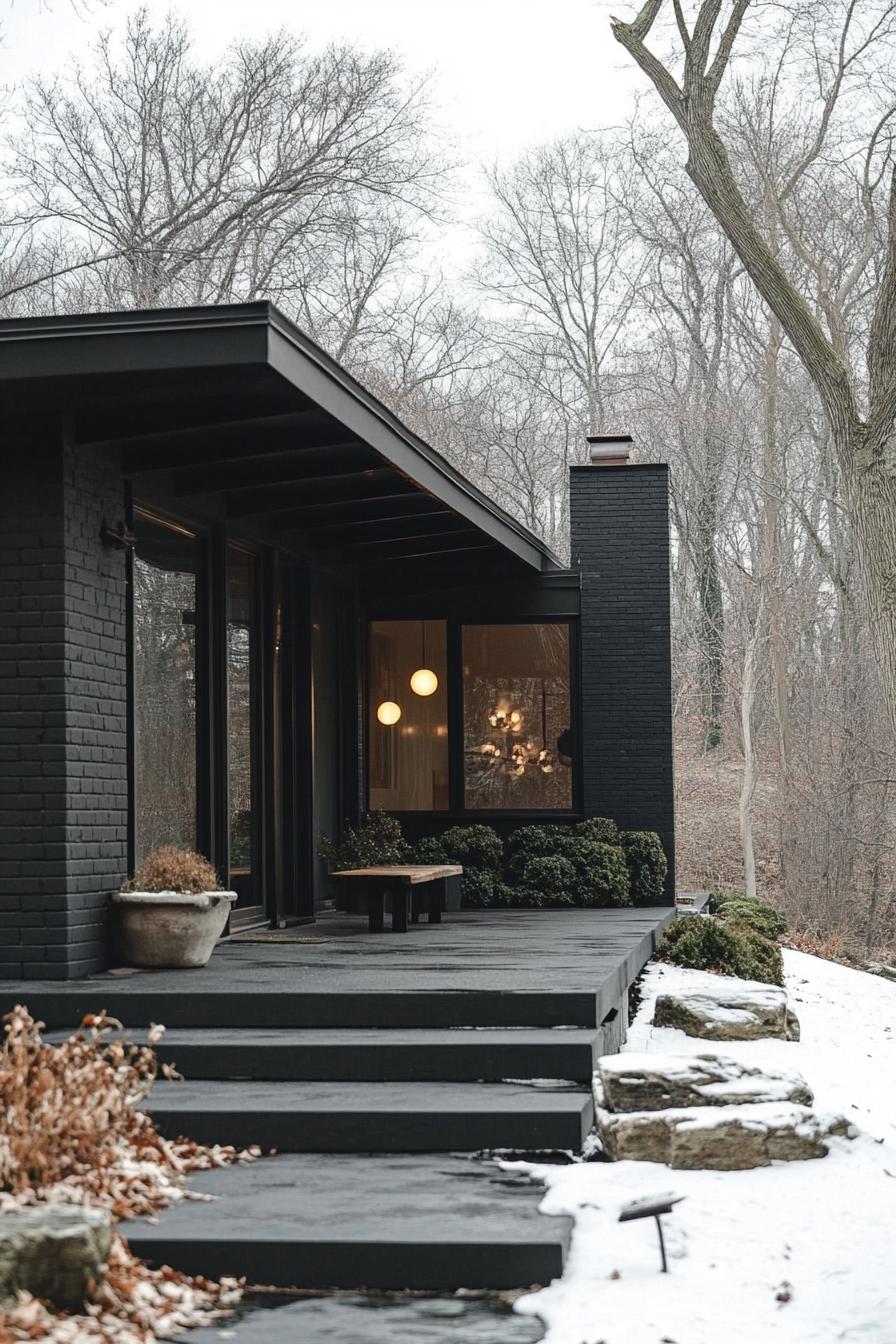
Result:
{"points": [[716, 275]]}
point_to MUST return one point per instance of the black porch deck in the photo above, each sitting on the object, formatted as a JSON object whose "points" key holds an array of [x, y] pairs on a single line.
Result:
{"points": [[489, 968], [382, 1069]]}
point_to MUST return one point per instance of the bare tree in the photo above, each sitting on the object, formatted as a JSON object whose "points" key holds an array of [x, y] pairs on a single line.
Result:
{"points": [[181, 183], [843, 39], [561, 266]]}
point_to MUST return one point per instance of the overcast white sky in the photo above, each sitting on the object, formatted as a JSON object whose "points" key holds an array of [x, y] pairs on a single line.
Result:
{"points": [[508, 73]]}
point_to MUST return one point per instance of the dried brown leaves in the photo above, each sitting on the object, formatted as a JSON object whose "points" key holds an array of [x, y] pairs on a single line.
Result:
{"points": [[73, 1133]]}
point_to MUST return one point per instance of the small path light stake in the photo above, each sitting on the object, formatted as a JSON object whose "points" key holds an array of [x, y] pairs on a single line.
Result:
{"points": [[652, 1207]]}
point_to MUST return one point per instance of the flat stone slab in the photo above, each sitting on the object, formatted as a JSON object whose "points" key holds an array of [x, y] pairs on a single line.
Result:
{"points": [[53, 1251], [724, 1138], [433, 1221], [729, 1013], [376, 1320], [655, 1082]]}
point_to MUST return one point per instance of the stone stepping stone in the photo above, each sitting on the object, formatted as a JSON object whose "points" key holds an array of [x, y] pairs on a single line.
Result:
{"points": [[376, 1320], [53, 1251], [654, 1082], [729, 1013], [723, 1138]]}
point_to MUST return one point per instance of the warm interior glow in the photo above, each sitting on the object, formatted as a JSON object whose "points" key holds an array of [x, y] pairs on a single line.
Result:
{"points": [[424, 681], [388, 712]]}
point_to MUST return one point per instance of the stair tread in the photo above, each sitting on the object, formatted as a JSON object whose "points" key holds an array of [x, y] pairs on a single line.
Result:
{"points": [[363, 1098], [326, 1037]]}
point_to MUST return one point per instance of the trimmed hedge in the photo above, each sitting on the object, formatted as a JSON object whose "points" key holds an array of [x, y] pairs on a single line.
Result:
{"points": [[588, 864], [707, 943]]}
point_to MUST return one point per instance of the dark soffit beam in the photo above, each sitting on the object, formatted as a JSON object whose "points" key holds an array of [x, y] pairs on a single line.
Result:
{"points": [[264, 468], [165, 449], [410, 503], [424, 543], [423, 553], [395, 524], [377, 483]]}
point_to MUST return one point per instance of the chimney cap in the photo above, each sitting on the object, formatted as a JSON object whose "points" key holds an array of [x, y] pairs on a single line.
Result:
{"points": [[609, 450]]}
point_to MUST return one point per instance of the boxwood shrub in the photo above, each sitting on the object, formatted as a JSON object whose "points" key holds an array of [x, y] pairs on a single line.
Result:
{"points": [[473, 846], [760, 915], [646, 866], [597, 828], [602, 873], [378, 839], [707, 943], [477, 888]]}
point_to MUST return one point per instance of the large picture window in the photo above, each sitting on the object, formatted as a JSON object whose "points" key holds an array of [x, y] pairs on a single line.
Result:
{"points": [[408, 716], [517, 721], [165, 570], [488, 729]]}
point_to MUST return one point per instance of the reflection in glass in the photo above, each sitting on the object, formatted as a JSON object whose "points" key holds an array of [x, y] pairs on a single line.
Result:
{"points": [[517, 725], [164, 593], [241, 634], [408, 750]]}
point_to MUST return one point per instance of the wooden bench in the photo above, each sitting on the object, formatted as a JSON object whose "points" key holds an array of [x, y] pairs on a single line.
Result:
{"points": [[399, 881]]}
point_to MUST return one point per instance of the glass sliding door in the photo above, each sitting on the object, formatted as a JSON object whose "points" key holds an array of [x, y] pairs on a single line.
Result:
{"points": [[166, 562], [242, 655]]}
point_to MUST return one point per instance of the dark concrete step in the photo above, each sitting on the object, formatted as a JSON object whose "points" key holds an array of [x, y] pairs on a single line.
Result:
{"points": [[375, 1319], [241, 1006], [388, 1055], [320, 1221], [301, 1117]]}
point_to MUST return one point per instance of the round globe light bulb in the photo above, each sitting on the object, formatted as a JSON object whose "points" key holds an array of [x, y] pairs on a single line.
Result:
{"points": [[388, 712], [424, 681]]}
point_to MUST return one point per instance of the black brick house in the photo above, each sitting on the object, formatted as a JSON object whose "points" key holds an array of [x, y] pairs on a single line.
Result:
{"points": [[223, 561]]}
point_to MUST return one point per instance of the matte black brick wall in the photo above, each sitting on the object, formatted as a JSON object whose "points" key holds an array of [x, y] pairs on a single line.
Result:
{"points": [[619, 520], [63, 739]]}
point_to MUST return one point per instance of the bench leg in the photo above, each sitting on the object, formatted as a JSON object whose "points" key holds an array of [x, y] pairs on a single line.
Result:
{"points": [[375, 909], [436, 899], [400, 896]]}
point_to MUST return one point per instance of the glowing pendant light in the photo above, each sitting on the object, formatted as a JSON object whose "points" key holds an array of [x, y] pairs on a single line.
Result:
{"points": [[388, 713], [424, 681]]}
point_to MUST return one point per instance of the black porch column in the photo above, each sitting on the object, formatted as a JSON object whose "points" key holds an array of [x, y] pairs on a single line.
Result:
{"points": [[63, 705], [619, 520]]}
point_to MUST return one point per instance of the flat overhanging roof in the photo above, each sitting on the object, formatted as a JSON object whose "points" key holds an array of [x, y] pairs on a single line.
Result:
{"points": [[237, 402]]}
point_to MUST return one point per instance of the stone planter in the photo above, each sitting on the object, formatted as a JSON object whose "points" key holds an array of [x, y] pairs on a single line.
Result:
{"points": [[171, 929]]}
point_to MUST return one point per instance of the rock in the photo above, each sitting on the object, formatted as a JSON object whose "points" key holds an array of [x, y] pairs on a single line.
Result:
{"points": [[633, 1082], [881, 968], [53, 1251], [729, 1013], [726, 1138]]}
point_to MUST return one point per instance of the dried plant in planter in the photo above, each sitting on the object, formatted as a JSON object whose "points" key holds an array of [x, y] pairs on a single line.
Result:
{"points": [[73, 1133], [171, 869]]}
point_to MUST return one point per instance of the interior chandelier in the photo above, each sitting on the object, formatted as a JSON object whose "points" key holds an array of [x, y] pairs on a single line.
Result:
{"points": [[516, 754]]}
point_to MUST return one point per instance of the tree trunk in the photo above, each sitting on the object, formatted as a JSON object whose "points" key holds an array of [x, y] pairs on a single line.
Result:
{"points": [[871, 488], [748, 780]]}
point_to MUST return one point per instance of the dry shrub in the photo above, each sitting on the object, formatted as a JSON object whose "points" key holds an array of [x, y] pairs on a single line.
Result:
{"points": [[831, 946], [73, 1133], [171, 869]]}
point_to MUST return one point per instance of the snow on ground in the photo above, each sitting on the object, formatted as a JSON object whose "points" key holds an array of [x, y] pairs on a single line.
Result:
{"points": [[795, 1253]]}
